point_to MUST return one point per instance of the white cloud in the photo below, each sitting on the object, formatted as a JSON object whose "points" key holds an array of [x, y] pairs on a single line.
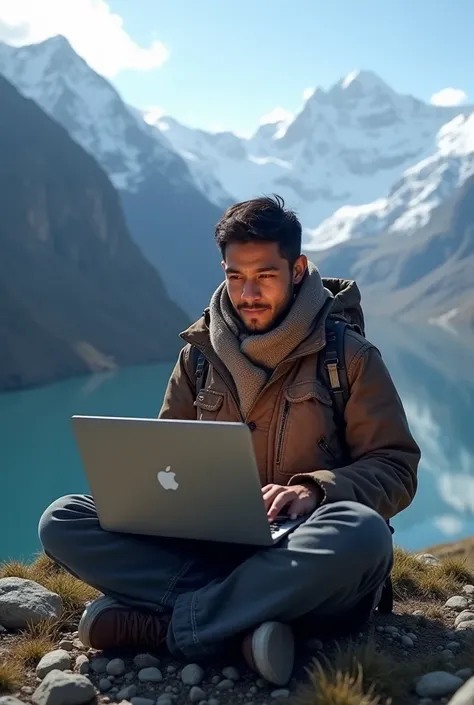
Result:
{"points": [[276, 115], [93, 30], [449, 96], [308, 93]]}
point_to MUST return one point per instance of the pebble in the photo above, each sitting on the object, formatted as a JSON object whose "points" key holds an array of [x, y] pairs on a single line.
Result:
{"points": [[226, 684], [196, 694], [55, 660], [412, 636], [427, 559], [116, 667], [468, 589], [407, 641], [457, 602], [99, 665], [465, 673], [78, 644], [192, 674], [425, 701], [464, 616], [450, 634], [213, 701], [453, 645], [253, 690], [27, 690], [418, 613], [127, 693], [437, 684], [164, 699], [145, 661], [260, 683], [171, 669], [82, 664], [215, 680], [231, 673], [380, 629], [130, 676], [142, 701], [150, 675], [465, 695], [66, 644], [104, 685], [391, 630], [280, 693], [60, 688], [447, 654]]}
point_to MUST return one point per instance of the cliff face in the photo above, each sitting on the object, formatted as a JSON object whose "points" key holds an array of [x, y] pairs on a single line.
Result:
{"points": [[76, 294]]}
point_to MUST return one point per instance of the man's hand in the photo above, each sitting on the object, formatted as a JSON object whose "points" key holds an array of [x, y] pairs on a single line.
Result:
{"points": [[299, 500]]}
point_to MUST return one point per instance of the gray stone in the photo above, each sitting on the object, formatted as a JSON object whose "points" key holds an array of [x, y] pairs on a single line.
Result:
{"points": [[196, 694], [145, 661], [66, 644], [425, 701], [164, 699], [465, 673], [280, 693], [231, 673], [116, 667], [213, 701], [450, 634], [171, 669], [3, 631], [418, 613], [104, 685], [464, 616], [437, 684], [453, 645], [150, 675], [468, 589], [142, 701], [226, 684], [407, 641], [82, 664], [129, 676], [127, 693], [457, 602], [427, 559], [24, 602], [27, 690], [465, 694], [99, 665], [58, 660], [260, 683], [9, 700], [77, 644], [465, 626], [60, 688], [412, 636], [192, 674], [215, 680]]}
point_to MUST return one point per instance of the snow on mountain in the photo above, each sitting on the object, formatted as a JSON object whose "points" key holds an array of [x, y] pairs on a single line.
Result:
{"points": [[168, 216], [347, 145], [413, 198], [91, 110]]}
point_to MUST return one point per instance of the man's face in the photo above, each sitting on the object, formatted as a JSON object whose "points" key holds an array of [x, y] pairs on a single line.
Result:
{"points": [[260, 282]]}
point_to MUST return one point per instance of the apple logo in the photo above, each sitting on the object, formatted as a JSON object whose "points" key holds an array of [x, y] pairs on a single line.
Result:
{"points": [[166, 478]]}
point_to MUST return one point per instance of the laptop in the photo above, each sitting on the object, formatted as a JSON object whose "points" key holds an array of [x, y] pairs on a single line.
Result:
{"points": [[179, 479]]}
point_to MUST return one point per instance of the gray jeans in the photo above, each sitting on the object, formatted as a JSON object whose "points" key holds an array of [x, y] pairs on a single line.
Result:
{"points": [[215, 592]]}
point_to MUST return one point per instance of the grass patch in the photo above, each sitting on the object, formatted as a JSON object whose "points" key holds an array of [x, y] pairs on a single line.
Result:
{"points": [[29, 651], [10, 676], [414, 579], [15, 569]]}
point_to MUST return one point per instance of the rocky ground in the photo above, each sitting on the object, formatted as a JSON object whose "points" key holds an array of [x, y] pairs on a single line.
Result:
{"points": [[422, 654]]}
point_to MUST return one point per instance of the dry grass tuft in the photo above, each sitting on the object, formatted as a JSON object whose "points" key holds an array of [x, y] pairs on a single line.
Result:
{"points": [[15, 569], [28, 651], [414, 579], [10, 676], [336, 687]]}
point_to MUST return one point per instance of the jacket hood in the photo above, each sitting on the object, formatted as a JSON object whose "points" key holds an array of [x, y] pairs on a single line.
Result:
{"points": [[346, 301]]}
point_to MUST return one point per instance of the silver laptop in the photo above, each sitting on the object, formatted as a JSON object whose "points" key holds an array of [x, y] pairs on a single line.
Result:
{"points": [[181, 479]]}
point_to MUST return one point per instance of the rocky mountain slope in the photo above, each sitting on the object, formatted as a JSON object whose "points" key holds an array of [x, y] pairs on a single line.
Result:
{"points": [[76, 294], [428, 276], [348, 145], [167, 215]]}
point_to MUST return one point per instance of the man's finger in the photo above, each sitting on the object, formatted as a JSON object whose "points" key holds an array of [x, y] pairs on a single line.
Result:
{"points": [[296, 508], [270, 494], [280, 502]]}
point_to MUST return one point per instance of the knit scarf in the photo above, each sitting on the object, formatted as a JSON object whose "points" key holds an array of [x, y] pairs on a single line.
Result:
{"points": [[251, 358]]}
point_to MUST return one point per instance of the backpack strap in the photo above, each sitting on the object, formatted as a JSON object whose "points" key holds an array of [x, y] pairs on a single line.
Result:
{"points": [[200, 366], [332, 368]]}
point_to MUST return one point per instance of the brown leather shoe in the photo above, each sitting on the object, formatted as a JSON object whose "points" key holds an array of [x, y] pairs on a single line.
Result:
{"points": [[270, 651], [106, 624]]}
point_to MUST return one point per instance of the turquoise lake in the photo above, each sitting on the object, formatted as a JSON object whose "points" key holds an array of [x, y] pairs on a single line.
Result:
{"points": [[432, 368]]}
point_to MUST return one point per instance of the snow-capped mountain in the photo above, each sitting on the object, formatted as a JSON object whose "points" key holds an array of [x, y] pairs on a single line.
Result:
{"points": [[414, 197], [347, 145], [168, 216]]}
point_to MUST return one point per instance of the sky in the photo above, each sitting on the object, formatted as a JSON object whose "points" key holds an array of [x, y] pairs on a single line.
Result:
{"points": [[232, 64]]}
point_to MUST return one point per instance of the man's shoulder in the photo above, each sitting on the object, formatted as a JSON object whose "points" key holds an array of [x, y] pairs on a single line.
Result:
{"points": [[356, 346]]}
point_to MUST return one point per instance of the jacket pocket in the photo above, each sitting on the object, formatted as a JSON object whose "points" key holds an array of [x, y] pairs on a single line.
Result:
{"points": [[208, 403], [305, 419]]}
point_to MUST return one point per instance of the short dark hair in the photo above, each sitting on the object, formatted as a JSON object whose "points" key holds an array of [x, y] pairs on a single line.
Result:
{"points": [[261, 220]]}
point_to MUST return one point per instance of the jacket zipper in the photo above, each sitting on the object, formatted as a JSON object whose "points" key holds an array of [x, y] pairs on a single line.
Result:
{"points": [[324, 445], [284, 418]]}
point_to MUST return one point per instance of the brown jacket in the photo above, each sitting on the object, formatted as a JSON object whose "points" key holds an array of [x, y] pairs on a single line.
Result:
{"points": [[293, 429]]}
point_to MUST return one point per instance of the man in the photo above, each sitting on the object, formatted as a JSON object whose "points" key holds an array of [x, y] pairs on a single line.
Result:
{"points": [[261, 337]]}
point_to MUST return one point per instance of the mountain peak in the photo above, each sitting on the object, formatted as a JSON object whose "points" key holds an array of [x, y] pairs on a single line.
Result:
{"points": [[359, 82]]}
